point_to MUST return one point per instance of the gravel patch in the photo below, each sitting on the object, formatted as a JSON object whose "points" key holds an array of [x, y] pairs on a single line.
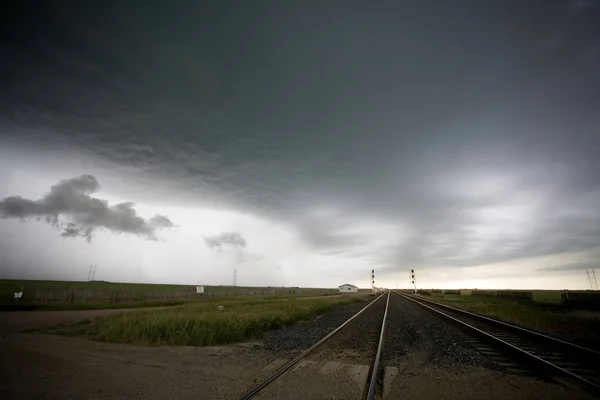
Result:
{"points": [[303, 335], [422, 338]]}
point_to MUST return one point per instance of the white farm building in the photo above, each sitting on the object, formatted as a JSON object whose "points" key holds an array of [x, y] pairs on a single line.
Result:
{"points": [[348, 288]]}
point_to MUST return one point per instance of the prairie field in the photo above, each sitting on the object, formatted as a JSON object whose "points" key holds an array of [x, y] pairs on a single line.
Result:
{"points": [[203, 324]]}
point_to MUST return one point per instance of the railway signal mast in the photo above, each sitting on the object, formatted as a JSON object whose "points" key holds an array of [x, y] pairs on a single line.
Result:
{"points": [[413, 280], [373, 280]]}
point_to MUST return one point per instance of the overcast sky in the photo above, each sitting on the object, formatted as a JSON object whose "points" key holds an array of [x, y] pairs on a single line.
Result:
{"points": [[302, 142]]}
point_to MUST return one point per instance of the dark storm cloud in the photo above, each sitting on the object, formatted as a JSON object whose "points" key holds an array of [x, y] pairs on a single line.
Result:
{"points": [[71, 199], [227, 239], [572, 267], [468, 126]]}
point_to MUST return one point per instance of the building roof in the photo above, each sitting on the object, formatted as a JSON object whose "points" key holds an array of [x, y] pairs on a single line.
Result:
{"points": [[347, 284]]}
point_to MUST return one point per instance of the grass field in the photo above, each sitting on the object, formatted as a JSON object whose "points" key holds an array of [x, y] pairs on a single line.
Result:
{"points": [[201, 324], [54, 295], [544, 314]]}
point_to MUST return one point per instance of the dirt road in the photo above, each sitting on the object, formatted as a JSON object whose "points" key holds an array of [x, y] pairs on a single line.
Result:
{"points": [[45, 366], [18, 321]]}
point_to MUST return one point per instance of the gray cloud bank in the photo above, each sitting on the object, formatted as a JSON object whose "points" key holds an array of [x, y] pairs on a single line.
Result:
{"points": [[69, 207], [471, 126]]}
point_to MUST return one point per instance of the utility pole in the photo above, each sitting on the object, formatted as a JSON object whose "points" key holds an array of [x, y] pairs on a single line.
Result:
{"points": [[235, 277], [92, 273], [595, 280]]}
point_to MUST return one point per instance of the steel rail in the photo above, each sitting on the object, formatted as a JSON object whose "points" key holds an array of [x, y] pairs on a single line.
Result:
{"points": [[306, 352], [519, 329], [532, 357], [375, 370]]}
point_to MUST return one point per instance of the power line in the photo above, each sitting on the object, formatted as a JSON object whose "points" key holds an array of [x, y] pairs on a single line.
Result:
{"points": [[587, 271], [595, 280]]}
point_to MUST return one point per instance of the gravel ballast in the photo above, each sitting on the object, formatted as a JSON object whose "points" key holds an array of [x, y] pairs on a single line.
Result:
{"points": [[303, 335], [411, 332], [414, 332]]}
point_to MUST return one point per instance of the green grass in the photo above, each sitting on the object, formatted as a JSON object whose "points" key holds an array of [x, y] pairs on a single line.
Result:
{"points": [[547, 296], [544, 314], [201, 324]]}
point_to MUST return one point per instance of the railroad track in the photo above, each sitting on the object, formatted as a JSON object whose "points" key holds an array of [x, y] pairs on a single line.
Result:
{"points": [[353, 352], [359, 340], [566, 363]]}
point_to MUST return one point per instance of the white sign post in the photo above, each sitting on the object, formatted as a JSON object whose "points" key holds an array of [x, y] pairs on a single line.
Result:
{"points": [[199, 289]]}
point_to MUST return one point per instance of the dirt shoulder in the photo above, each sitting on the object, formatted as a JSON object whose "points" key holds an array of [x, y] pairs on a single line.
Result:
{"points": [[18, 321], [36, 366]]}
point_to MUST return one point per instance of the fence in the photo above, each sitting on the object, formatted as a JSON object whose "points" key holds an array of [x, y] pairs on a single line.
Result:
{"points": [[446, 291], [111, 295], [452, 292], [504, 294], [589, 301]]}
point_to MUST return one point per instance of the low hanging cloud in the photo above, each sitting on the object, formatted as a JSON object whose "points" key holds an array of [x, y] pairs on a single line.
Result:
{"points": [[231, 244], [69, 207], [232, 240]]}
